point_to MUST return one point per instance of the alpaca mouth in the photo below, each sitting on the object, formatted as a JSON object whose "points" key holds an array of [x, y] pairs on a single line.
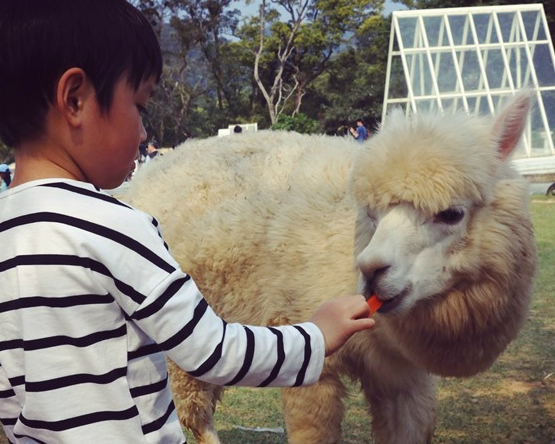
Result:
{"points": [[391, 304]]}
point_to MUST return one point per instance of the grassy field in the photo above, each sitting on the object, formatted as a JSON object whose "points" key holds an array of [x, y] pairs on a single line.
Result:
{"points": [[512, 403]]}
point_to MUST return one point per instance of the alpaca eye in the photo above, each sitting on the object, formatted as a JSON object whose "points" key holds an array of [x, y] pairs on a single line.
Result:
{"points": [[450, 216]]}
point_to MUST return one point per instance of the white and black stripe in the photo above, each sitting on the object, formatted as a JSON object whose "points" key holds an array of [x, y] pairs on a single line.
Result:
{"points": [[91, 302]]}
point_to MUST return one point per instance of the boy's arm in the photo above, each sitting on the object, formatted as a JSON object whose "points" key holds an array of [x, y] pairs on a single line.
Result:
{"points": [[166, 304], [210, 349]]}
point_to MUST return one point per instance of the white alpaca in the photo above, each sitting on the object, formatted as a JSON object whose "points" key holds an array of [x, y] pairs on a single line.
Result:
{"points": [[428, 215]]}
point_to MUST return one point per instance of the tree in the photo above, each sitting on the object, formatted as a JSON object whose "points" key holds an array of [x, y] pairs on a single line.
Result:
{"points": [[267, 69], [6, 154], [353, 85], [157, 12], [205, 24], [280, 91], [289, 55], [169, 109], [331, 29]]}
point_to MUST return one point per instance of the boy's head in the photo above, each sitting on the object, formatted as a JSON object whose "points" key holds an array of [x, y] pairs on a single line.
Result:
{"points": [[360, 122], [41, 39]]}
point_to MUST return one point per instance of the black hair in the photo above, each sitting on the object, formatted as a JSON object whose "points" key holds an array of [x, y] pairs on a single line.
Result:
{"points": [[361, 121], [237, 129], [41, 39]]}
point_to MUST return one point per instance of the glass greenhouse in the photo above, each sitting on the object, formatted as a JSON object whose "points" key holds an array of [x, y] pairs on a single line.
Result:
{"points": [[475, 58]]}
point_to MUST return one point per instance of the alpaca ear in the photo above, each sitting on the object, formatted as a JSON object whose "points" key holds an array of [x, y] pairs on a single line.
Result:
{"points": [[509, 124]]}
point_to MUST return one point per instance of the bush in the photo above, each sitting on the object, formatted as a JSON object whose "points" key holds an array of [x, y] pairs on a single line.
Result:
{"points": [[300, 123], [6, 154]]}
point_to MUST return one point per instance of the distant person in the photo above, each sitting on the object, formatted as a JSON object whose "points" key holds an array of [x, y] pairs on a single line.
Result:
{"points": [[143, 153], [361, 133], [141, 160], [5, 175], [238, 129], [152, 149]]}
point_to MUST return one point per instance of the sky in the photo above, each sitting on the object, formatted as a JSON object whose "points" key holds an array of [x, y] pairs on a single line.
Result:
{"points": [[245, 9]]}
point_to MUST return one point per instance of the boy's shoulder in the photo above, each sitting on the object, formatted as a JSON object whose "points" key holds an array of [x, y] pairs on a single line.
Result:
{"points": [[78, 202]]}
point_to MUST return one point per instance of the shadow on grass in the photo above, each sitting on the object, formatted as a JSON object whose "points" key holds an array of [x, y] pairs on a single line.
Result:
{"points": [[490, 411], [248, 437]]}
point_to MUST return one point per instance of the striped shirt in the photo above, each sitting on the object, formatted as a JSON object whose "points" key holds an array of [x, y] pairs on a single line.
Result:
{"points": [[92, 302]]}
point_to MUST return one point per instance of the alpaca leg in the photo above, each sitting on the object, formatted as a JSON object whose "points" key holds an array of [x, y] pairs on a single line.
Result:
{"points": [[403, 406], [313, 414], [195, 402]]}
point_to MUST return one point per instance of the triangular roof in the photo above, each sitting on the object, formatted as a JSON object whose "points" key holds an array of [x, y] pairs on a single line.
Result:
{"points": [[474, 58]]}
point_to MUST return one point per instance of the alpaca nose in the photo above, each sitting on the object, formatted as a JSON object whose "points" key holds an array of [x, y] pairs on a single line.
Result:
{"points": [[377, 276], [372, 267], [372, 279], [373, 271], [380, 272]]}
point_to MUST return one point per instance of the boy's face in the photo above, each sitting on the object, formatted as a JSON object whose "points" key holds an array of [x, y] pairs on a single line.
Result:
{"points": [[115, 136]]}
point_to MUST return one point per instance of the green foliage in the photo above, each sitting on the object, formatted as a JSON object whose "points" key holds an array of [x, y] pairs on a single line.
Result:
{"points": [[300, 123], [299, 45], [209, 55], [353, 85], [6, 154]]}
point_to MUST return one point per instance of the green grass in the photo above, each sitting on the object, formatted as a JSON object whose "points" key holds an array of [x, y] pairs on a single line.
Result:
{"points": [[512, 403]]}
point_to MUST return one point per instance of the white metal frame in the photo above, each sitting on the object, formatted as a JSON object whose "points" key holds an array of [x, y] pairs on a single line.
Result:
{"points": [[421, 63]]}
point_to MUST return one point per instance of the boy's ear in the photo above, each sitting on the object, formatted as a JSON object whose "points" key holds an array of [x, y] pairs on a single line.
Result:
{"points": [[72, 94]]}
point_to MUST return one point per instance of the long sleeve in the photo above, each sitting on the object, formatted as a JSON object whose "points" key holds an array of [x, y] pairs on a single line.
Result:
{"points": [[210, 349]]}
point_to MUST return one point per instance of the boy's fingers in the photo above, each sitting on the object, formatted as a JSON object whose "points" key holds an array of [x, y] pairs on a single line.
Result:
{"points": [[362, 324], [364, 310], [360, 307]]}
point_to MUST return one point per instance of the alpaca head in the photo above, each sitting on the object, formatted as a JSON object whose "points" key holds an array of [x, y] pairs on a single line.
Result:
{"points": [[443, 234]]}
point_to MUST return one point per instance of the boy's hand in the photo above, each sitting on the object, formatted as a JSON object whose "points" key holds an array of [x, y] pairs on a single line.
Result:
{"points": [[340, 318]]}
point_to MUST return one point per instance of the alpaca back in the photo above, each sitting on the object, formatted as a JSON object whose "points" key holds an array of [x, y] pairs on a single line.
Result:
{"points": [[254, 218]]}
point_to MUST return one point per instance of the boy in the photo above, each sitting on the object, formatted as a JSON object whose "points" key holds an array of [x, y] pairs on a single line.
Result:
{"points": [[91, 301]]}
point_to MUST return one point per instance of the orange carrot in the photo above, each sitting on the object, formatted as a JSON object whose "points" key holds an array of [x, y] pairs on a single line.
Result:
{"points": [[374, 303]]}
